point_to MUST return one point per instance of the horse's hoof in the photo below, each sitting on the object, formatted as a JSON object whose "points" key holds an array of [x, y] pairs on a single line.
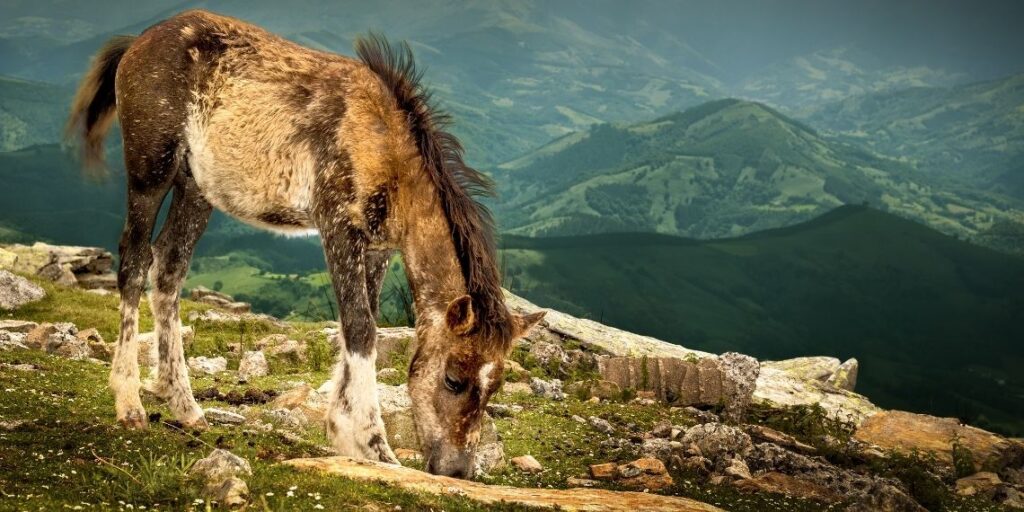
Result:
{"points": [[134, 420]]}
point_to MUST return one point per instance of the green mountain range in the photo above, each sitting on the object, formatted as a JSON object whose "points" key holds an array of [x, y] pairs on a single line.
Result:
{"points": [[933, 320], [724, 168]]}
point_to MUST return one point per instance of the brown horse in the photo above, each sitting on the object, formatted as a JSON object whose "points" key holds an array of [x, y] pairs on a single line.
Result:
{"points": [[290, 139]]}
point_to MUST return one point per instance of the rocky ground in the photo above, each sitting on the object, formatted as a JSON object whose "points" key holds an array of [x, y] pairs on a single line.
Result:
{"points": [[590, 418]]}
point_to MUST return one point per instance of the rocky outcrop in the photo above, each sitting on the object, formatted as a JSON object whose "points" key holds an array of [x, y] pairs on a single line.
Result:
{"points": [[907, 432], [581, 499], [805, 382], [85, 267], [711, 381], [220, 300], [16, 291], [220, 472]]}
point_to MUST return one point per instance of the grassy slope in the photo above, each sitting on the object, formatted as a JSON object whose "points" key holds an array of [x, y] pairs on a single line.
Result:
{"points": [[933, 320]]}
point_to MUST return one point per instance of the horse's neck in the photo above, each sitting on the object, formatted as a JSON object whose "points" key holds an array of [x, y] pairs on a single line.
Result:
{"points": [[431, 265]]}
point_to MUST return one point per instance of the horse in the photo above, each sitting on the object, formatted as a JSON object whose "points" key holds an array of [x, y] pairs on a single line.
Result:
{"points": [[218, 113]]}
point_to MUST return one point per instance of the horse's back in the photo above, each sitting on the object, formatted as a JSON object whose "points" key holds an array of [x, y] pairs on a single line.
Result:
{"points": [[252, 114]]}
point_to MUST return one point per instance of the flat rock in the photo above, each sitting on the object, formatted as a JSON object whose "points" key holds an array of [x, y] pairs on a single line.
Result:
{"points": [[20, 326], [16, 291], [224, 417], [781, 388], [781, 483], [906, 432], [208, 365], [527, 463], [601, 337], [581, 499]]}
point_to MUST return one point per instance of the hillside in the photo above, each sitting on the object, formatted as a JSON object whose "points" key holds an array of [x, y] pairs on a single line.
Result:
{"points": [[933, 320], [972, 133], [31, 112], [724, 168]]}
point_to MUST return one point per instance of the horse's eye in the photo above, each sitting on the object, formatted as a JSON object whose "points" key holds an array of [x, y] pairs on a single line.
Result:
{"points": [[454, 385]]}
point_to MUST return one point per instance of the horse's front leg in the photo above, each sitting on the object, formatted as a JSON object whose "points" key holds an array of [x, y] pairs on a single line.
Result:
{"points": [[354, 424]]}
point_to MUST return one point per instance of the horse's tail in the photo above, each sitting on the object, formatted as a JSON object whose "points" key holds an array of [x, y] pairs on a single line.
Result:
{"points": [[94, 106]]}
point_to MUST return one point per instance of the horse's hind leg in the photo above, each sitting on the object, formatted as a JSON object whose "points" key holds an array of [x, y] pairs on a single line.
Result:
{"points": [[172, 252], [354, 424], [143, 205]]}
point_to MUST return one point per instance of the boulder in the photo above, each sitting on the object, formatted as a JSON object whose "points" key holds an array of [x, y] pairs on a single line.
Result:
{"points": [[549, 355], [657, 448], [230, 493], [644, 473], [982, 483], [394, 344], [718, 441], [606, 471], [12, 341], [845, 377], [290, 350], [16, 291], [907, 432], [550, 389], [527, 463], [503, 410], [602, 425], [780, 387], [208, 365], [224, 417], [60, 263], [737, 469], [253, 365], [220, 465]]}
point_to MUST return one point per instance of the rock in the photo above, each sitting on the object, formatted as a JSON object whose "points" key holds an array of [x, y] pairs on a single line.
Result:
{"points": [[701, 416], [306, 405], [231, 493], [780, 388], [908, 432], [527, 463], [718, 441], [407, 454], [605, 389], [1010, 497], [737, 469], [395, 345], [67, 265], [288, 350], [549, 355], [982, 482], [19, 326], [657, 448], [598, 337], [16, 291], [388, 374], [70, 347], [739, 378], [220, 465], [106, 282], [815, 368], [845, 377], [59, 339], [644, 473], [601, 425], [226, 317], [606, 471], [770, 435], [580, 482], [208, 365], [516, 388], [780, 483], [710, 381], [12, 341], [490, 455], [550, 389], [253, 365], [223, 417], [662, 429], [593, 500], [503, 410], [867, 491], [218, 299]]}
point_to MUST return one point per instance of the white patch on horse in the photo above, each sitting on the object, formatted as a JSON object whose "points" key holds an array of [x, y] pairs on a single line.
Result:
{"points": [[354, 412], [485, 376]]}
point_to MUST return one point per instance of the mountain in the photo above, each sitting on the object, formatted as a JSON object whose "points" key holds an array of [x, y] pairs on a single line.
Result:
{"points": [[973, 134], [933, 320], [31, 112], [825, 76], [724, 168]]}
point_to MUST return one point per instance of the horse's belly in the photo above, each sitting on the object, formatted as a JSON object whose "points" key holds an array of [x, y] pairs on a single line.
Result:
{"points": [[251, 176]]}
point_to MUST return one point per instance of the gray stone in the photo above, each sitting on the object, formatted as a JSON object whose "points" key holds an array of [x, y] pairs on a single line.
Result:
{"points": [[490, 456], [19, 326], [16, 291], [223, 417], [208, 365], [220, 465], [12, 341], [549, 354], [253, 365], [388, 374], [527, 463], [737, 469], [601, 424], [657, 448], [739, 380], [503, 410], [718, 441], [231, 493], [550, 389]]}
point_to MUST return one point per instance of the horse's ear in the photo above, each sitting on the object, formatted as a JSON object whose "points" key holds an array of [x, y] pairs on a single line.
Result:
{"points": [[460, 317], [526, 322]]}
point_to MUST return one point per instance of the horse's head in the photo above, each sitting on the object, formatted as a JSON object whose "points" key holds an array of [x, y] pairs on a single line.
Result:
{"points": [[452, 376]]}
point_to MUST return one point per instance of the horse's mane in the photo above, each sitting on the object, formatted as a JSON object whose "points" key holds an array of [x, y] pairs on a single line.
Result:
{"points": [[458, 185]]}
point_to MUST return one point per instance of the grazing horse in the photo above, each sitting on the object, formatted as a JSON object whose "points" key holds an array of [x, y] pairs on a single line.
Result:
{"points": [[295, 140]]}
